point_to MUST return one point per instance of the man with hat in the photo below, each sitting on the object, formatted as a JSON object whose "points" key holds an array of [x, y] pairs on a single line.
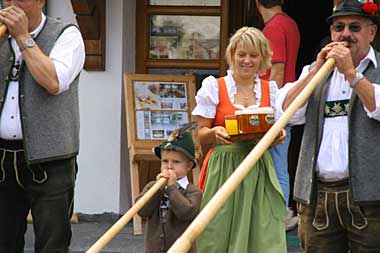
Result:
{"points": [[337, 182], [171, 210]]}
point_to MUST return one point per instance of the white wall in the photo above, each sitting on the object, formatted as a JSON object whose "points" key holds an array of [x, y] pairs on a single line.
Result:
{"points": [[98, 182]]}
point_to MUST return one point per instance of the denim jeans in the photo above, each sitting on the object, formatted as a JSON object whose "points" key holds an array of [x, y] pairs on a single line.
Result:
{"points": [[334, 224], [47, 189], [279, 155]]}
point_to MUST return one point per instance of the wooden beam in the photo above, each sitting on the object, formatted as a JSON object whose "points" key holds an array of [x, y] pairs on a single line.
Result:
{"points": [[91, 18]]}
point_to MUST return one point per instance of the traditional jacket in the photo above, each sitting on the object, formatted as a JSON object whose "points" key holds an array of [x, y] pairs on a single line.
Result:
{"points": [[50, 123], [163, 229], [364, 139]]}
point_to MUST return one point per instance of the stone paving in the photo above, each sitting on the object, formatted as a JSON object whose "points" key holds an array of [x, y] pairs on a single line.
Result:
{"points": [[89, 230]]}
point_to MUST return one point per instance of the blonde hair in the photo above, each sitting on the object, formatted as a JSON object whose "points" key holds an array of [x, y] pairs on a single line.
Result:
{"points": [[250, 37]]}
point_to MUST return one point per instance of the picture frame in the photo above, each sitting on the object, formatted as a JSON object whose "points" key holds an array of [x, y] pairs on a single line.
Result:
{"points": [[184, 37], [162, 48], [156, 105]]}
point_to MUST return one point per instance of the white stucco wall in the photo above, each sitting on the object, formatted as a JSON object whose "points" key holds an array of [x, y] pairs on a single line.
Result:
{"points": [[98, 182]]}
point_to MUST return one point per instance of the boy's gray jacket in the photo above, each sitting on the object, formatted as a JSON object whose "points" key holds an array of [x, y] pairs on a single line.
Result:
{"points": [[364, 140], [50, 123]]}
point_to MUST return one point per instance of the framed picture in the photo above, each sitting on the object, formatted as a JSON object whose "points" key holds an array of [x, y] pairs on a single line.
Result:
{"points": [[156, 105], [184, 37], [185, 2]]}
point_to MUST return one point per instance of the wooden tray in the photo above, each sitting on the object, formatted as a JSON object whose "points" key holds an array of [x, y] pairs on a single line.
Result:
{"points": [[250, 136]]}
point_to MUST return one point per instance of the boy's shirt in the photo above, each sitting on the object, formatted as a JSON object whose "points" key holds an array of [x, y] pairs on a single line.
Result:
{"points": [[183, 182]]}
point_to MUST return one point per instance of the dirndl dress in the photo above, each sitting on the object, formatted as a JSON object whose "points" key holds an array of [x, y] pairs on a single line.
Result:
{"points": [[253, 218]]}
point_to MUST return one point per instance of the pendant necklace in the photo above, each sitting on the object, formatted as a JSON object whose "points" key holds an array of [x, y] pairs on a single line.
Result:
{"points": [[246, 97], [243, 94]]}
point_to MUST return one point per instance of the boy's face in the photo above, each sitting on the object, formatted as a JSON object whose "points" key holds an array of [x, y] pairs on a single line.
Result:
{"points": [[177, 161]]}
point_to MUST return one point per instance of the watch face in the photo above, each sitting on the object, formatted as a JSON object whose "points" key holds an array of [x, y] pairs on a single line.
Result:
{"points": [[29, 43]]}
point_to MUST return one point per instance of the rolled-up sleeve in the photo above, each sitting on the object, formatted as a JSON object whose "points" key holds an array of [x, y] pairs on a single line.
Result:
{"points": [[376, 113], [207, 98], [68, 55]]}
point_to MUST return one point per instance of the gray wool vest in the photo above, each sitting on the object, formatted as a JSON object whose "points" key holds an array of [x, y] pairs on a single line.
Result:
{"points": [[50, 123], [364, 139]]}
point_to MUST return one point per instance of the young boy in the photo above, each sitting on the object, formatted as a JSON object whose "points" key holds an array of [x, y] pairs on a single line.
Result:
{"points": [[171, 209]]}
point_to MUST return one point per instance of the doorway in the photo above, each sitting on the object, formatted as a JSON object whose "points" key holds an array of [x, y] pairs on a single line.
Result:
{"points": [[311, 20]]}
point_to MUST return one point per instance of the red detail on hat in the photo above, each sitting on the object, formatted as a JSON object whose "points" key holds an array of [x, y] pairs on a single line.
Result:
{"points": [[370, 8]]}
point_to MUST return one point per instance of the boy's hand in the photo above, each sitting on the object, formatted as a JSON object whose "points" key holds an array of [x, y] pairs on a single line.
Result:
{"points": [[164, 174], [172, 178]]}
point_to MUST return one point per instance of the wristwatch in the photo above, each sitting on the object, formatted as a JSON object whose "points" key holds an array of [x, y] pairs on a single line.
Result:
{"points": [[356, 79], [27, 44]]}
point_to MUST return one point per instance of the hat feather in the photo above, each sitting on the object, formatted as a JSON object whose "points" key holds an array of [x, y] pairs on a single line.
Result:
{"points": [[179, 132]]}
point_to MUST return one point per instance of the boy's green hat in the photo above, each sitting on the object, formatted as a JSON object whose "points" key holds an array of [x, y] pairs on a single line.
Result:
{"points": [[179, 142]]}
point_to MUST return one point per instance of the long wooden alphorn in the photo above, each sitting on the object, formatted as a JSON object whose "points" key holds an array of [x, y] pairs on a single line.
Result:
{"points": [[115, 229], [3, 30], [184, 242]]}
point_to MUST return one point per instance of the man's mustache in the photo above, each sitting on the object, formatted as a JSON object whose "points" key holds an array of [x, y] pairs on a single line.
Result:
{"points": [[349, 39]]}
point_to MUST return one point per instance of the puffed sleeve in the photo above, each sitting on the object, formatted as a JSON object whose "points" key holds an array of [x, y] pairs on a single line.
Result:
{"points": [[207, 98]]}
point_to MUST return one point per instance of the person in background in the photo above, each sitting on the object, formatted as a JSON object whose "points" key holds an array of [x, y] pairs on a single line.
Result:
{"points": [[252, 219], [337, 181], [171, 210], [284, 38], [39, 126]]}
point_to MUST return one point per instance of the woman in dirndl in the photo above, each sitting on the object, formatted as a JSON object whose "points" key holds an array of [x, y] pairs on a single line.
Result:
{"points": [[253, 218]]}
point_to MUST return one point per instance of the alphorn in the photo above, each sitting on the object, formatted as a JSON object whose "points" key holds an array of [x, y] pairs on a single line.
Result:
{"points": [[115, 229], [3, 30], [183, 243]]}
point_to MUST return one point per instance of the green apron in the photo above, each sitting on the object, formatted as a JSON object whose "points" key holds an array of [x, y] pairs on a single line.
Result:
{"points": [[253, 218]]}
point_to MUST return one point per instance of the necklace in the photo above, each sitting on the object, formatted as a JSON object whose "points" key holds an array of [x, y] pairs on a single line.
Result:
{"points": [[245, 95]]}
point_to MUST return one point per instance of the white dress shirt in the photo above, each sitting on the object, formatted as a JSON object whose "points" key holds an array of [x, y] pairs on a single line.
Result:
{"points": [[332, 163], [183, 182], [68, 56]]}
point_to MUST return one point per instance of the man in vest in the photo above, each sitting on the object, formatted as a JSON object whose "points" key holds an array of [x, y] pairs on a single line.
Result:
{"points": [[337, 181], [39, 126]]}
